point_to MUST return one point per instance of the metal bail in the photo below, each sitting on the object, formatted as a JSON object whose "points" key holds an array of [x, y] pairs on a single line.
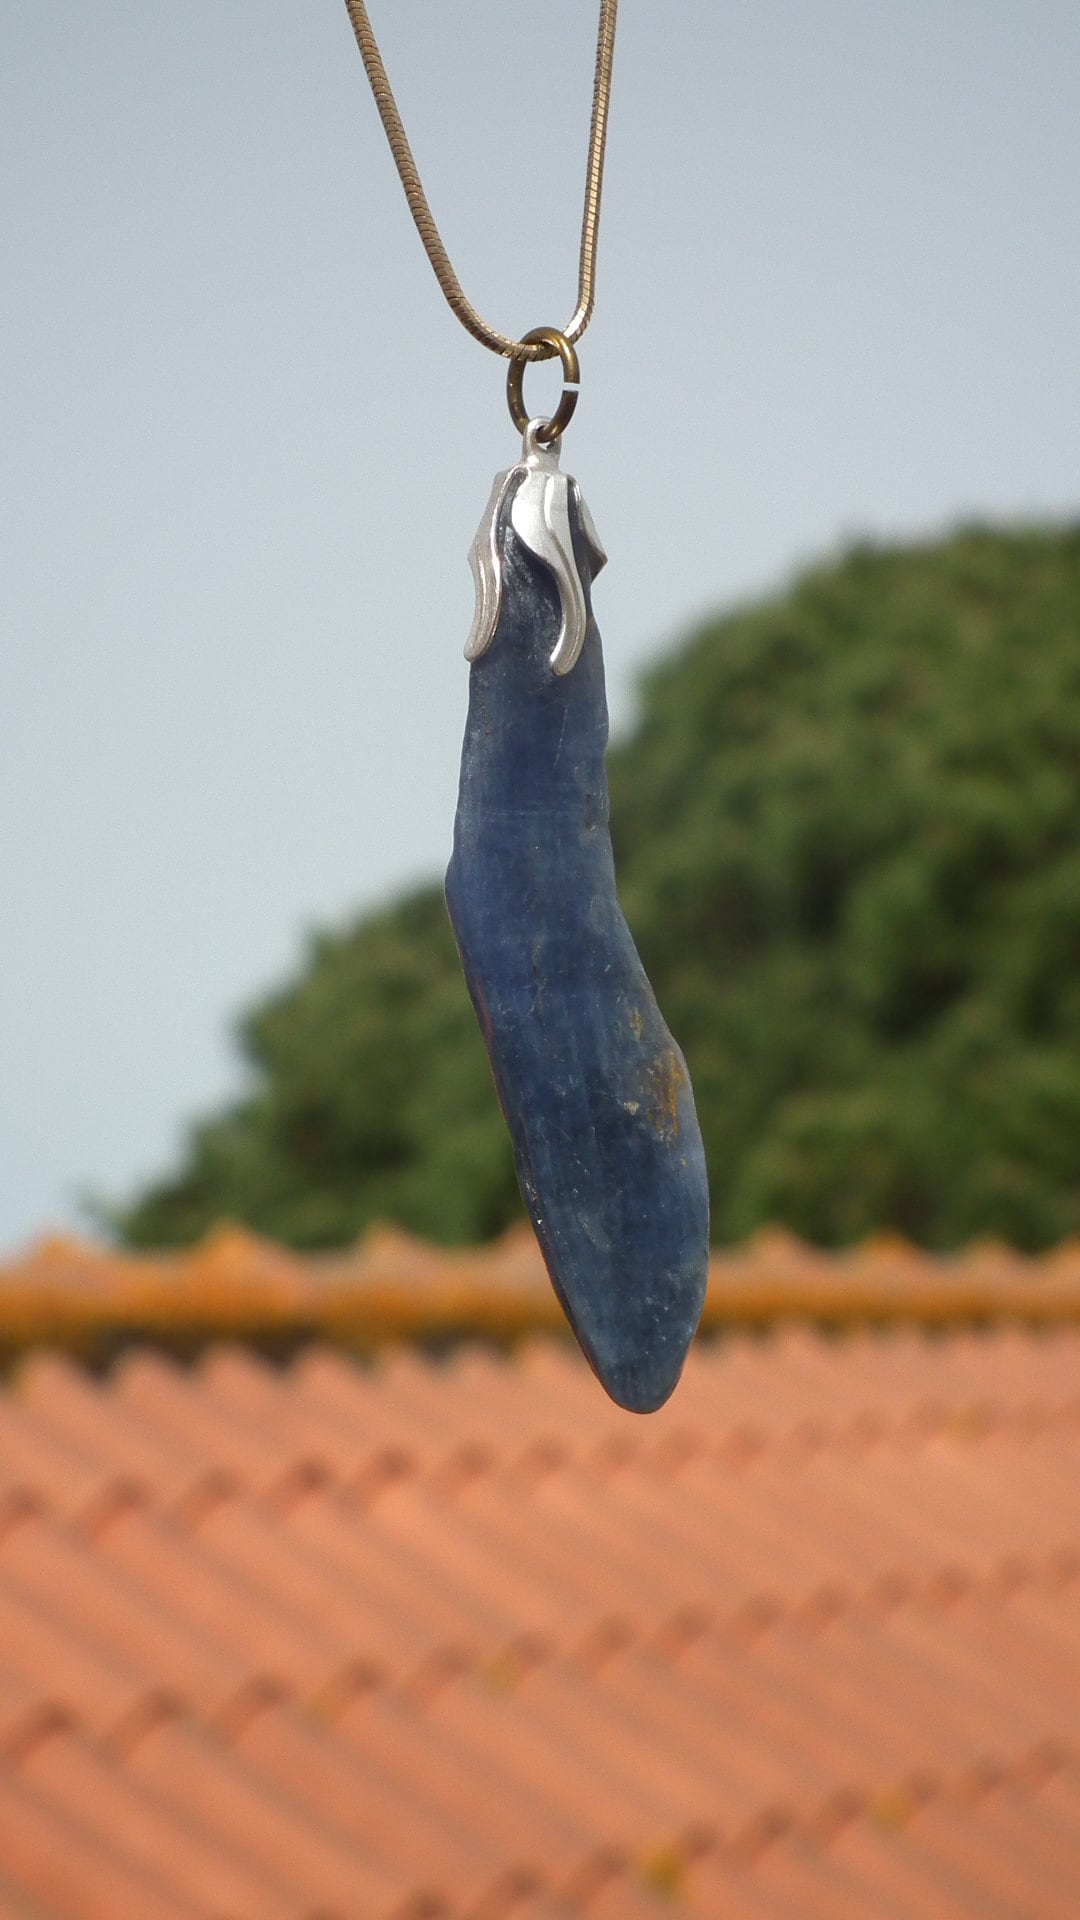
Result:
{"points": [[515, 379], [538, 501]]}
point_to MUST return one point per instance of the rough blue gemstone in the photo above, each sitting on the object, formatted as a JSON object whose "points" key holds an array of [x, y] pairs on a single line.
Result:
{"points": [[594, 1089]]}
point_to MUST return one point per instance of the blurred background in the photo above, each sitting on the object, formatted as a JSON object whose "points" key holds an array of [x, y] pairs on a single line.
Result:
{"points": [[246, 447], [331, 1586]]}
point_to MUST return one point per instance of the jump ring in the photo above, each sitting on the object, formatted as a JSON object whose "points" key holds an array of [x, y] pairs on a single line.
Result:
{"points": [[515, 380]]}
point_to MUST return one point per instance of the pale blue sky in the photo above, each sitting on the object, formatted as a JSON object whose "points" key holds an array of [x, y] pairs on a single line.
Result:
{"points": [[245, 444]]}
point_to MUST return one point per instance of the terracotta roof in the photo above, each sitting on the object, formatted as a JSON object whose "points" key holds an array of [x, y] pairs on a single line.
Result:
{"points": [[91, 1299], [463, 1639]]}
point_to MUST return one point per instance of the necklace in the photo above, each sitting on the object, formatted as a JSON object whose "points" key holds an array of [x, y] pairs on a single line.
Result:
{"points": [[594, 1090]]}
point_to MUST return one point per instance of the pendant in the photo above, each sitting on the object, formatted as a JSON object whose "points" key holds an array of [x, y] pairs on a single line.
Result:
{"points": [[594, 1090]]}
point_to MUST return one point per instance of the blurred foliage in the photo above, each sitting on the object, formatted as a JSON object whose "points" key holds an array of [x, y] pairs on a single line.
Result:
{"points": [[847, 829]]}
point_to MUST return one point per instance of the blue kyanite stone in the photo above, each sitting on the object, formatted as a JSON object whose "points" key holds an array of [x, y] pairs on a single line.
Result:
{"points": [[594, 1089]]}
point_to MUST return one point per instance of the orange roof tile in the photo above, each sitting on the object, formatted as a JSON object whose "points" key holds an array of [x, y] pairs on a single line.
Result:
{"points": [[90, 1299], [460, 1638]]}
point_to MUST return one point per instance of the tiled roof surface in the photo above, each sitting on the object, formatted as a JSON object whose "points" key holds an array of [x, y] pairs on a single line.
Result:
{"points": [[463, 1639], [88, 1298]]}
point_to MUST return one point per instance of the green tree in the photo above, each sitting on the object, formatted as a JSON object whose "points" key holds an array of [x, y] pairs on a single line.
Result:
{"points": [[847, 828]]}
